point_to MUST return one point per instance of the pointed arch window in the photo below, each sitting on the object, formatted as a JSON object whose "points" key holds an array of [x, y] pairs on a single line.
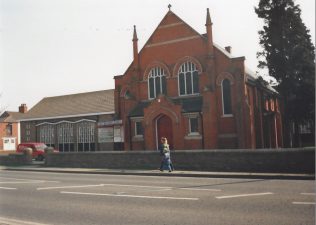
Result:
{"points": [[188, 79], [226, 97], [156, 82]]}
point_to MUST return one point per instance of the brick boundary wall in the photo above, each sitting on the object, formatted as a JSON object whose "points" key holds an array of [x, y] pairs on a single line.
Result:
{"points": [[15, 159], [301, 160]]}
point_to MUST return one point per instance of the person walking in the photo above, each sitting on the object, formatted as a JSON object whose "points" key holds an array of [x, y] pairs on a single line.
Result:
{"points": [[166, 163]]}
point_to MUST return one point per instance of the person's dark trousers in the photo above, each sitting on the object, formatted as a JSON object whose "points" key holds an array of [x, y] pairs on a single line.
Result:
{"points": [[161, 165], [171, 166]]}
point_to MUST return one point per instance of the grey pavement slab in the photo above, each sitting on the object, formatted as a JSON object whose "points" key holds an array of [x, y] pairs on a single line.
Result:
{"points": [[41, 168]]}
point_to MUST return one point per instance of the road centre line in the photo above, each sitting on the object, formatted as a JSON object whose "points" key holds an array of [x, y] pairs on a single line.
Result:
{"points": [[303, 203], [307, 193], [244, 195], [22, 182], [129, 185], [8, 188], [20, 222], [17, 178], [102, 185], [63, 187], [200, 189], [140, 186], [13, 178], [129, 196], [26, 180], [163, 187]]}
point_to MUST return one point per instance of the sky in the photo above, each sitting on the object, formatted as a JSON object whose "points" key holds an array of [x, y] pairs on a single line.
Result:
{"points": [[59, 47]]}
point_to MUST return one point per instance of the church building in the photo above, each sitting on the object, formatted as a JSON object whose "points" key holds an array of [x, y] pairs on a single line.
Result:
{"points": [[183, 86]]}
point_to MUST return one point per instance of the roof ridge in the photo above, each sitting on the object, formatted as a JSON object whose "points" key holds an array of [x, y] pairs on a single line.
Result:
{"points": [[81, 93], [148, 40]]}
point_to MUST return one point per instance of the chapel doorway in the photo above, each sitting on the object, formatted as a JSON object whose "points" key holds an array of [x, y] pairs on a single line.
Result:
{"points": [[164, 129]]}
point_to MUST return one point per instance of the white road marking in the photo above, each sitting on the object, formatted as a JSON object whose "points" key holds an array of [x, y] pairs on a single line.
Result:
{"points": [[18, 222], [81, 186], [140, 186], [162, 188], [244, 195], [303, 203], [7, 188], [128, 196], [307, 193], [11, 178], [22, 182], [200, 189]]}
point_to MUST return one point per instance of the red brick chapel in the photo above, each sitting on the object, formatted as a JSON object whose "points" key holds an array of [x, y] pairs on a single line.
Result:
{"points": [[183, 86]]}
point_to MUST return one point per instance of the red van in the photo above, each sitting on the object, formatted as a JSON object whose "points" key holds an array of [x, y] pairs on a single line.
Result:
{"points": [[38, 149]]}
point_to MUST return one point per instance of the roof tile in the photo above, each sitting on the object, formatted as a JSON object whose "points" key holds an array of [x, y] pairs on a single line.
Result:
{"points": [[74, 104]]}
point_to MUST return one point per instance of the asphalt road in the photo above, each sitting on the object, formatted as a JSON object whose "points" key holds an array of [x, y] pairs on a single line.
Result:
{"points": [[56, 198]]}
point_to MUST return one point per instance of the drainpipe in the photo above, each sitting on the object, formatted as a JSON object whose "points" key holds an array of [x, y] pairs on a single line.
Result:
{"points": [[130, 133], [202, 128]]}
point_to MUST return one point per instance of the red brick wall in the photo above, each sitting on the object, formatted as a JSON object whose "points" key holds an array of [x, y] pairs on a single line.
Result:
{"points": [[171, 44], [3, 133]]}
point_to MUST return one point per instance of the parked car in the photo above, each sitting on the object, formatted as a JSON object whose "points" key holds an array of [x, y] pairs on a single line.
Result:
{"points": [[38, 149]]}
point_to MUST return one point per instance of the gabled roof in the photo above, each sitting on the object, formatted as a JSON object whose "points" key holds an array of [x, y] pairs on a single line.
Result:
{"points": [[74, 105], [170, 20], [177, 21], [164, 23], [11, 117]]}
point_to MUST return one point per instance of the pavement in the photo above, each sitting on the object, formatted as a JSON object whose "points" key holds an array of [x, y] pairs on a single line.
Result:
{"points": [[40, 167]]}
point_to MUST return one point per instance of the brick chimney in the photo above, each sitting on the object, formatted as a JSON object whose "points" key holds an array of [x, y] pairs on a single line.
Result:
{"points": [[228, 49], [23, 108]]}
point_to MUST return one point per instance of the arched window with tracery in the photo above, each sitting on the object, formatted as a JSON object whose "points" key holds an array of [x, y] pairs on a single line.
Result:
{"points": [[188, 79], [226, 97], [156, 82]]}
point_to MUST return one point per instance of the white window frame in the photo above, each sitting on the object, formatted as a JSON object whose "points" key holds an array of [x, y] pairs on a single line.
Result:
{"points": [[156, 72], [191, 67], [65, 134], [47, 135], [137, 137], [192, 135], [9, 129], [86, 135], [223, 111], [190, 126], [136, 133]]}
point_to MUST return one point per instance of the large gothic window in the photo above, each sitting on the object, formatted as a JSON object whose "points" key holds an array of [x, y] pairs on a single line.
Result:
{"points": [[226, 97], [156, 82], [188, 78]]}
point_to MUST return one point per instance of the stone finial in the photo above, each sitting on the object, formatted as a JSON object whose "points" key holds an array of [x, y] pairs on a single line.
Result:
{"points": [[135, 49], [169, 6], [135, 34], [208, 18]]}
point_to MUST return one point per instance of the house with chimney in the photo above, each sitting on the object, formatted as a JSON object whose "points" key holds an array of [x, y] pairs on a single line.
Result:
{"points": [[79, 122], [183, 86], [10, 135]]}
